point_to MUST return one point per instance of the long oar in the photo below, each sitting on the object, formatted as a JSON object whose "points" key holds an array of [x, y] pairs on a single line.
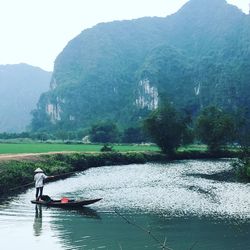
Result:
{"points": [[22, 186], [54, 176], [69, 173]]}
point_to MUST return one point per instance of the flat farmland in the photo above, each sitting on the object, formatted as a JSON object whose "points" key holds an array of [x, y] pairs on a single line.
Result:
{"points": [[25, 148]]}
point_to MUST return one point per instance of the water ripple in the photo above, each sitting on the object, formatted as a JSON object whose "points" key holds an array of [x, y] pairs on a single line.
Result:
{"points": [[166, 187], [166, 195]]}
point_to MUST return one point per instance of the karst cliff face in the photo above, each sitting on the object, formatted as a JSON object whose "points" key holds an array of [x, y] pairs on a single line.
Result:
{"points": [[120, 71]]}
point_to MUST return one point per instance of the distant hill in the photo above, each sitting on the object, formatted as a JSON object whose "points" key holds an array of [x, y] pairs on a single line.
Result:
{"points": [[120, 71], [20, 88]]}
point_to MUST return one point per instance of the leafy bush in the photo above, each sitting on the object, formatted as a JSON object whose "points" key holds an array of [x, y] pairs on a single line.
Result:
{"points": [[107, 148], [242, 168]]}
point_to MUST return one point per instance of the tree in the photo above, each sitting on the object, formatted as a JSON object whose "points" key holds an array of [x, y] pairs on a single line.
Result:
{"points": [[215, 128], [133, 135], [242, 122], [61, 134], [104, 132], [166, 126], [42, 136]]}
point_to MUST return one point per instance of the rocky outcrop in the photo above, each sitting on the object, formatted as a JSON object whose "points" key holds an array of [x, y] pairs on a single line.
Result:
{"points": [[148, 96]]}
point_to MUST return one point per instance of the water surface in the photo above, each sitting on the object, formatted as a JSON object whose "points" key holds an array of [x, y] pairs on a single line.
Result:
{"points": [[177, 202]]}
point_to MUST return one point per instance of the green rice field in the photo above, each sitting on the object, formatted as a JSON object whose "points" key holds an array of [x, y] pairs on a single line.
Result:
{"points": [[19, 148]]}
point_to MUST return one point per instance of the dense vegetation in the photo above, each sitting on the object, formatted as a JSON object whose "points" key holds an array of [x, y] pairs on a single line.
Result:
{"points": [[98, 133], [216, 128], [242, 167], [20, 86], [167, 128], [118, 71], [170, 128]]}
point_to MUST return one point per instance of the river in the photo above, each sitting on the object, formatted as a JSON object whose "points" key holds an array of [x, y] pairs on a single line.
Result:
{"points": [[189, 204]]}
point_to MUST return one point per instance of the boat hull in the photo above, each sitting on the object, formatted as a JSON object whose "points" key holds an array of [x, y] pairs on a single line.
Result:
{"points": [[69, 204]]}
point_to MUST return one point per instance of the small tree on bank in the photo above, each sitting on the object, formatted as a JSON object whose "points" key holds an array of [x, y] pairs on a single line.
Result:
{"points": [[166, 127], [215, 128]]}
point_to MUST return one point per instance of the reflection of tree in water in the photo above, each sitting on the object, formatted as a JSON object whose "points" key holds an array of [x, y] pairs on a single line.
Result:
{"points": [[78, 230], [37, 226], [77, 227]]}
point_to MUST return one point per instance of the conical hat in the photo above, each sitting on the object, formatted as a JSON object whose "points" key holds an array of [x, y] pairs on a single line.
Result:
{"points": [[38, 170]]}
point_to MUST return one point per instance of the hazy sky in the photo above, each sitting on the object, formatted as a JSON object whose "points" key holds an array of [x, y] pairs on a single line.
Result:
{"points": [[36, 31]]}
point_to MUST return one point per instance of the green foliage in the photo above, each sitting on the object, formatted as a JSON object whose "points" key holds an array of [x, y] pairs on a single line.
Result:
{"points": [[166, 126], [62, 134], [242, 121], [104, 132], [215, 128], [242, 168], [134, 135], [107, 148], [17, 174], [40, 121], [188, 136]]}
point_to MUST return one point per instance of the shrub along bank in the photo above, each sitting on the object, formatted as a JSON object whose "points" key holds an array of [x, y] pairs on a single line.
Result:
{"points": [[15, 176], [242, 168]]}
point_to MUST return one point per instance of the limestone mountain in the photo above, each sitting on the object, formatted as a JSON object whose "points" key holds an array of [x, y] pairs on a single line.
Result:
{"points": [[20, 88], [120, 71]]}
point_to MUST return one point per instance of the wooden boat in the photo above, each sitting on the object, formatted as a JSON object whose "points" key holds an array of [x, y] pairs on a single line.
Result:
{"points": [[69, 203]]}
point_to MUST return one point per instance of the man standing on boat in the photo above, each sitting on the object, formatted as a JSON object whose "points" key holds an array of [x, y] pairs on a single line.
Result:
{"points": [[39, 182]]}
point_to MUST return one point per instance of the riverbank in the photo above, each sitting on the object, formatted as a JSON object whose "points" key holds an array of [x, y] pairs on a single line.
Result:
{"points": [[16, 172]]}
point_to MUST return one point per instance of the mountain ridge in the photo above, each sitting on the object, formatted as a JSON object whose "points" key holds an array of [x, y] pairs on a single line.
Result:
{"points": [[20, 88], [114, 72]]}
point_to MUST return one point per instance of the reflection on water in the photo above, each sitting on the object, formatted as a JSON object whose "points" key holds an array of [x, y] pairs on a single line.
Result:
{"points": [[38, 221], [83, 212], [172, 201], [181, 233], [86, 212]]}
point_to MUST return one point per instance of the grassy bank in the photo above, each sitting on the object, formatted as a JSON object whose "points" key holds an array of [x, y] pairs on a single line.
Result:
{"points": [[18, 175]]}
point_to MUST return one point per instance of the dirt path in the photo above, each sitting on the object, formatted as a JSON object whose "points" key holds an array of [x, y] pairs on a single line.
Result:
{"points": [[29, 156], [35, 156]]}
